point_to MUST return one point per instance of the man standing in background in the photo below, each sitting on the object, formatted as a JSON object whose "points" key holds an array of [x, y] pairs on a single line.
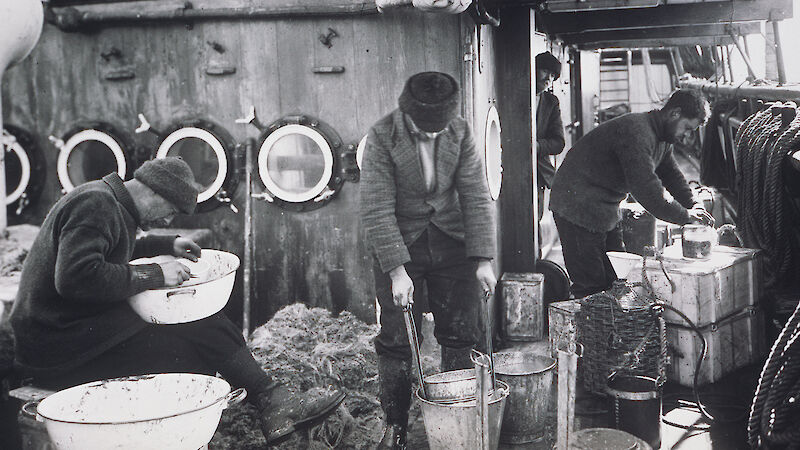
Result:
{"points": [[549, 129]]}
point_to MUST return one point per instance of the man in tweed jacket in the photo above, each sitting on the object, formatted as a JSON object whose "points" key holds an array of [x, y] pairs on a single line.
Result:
{"points": [[429, 221]]}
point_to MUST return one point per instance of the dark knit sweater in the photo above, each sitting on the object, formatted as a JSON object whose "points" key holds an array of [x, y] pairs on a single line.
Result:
{"points": [[628, 154], [71, 304]]}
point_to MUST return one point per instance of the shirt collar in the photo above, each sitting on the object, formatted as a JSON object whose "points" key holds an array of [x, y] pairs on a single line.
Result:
{"points": [[121, 193], [418, 134]]}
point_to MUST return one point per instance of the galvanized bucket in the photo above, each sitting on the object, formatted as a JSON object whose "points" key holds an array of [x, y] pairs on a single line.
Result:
{"points": [[637, 406], [606, 439], [454, 425], [530, 378], [451, 386]]}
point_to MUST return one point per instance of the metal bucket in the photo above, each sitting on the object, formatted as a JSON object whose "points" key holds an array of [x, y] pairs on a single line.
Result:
{"points": [[530, 379], [454, 425], [637, 407], [455, 385]]}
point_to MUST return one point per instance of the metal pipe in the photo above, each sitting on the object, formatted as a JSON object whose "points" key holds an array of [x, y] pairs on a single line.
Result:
{"points": [[71, 18], [766, 93], [779, 53], [678, 62], [745, 57], [728, 60], [249, 145]]}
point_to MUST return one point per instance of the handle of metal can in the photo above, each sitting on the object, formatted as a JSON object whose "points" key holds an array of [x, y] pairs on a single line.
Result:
{"points": [[489, 352], [26, 409], [413, 341], [482, 363], [235, 397], [188, 291]]}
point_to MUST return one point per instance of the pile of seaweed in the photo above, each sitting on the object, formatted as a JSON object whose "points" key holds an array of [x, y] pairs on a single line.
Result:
{"points": [[311, 349]]}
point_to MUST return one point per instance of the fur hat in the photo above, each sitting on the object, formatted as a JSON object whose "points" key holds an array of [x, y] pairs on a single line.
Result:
{"points": [[546, 61], [172, 179], [431, 99]]}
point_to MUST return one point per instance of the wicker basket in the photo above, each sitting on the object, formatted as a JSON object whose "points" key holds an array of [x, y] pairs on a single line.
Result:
{"points": [[622, 332]]}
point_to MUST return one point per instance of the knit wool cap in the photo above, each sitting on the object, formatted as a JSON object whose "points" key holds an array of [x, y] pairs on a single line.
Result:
{"points": [[172, 179], [431, 99], [546, 61]]}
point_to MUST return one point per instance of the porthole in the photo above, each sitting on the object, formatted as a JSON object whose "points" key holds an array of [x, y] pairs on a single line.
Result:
{"points": [[90, 152], [362, 145], [209, 151], [494, 153], [24, 169], [297, 159]]}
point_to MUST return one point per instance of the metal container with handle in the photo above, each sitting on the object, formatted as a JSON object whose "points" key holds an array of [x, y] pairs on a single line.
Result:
{"points": [[413, 341], [195, 299], [172, 411]]}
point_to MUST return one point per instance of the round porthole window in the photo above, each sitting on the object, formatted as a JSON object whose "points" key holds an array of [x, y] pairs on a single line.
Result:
{"points": [[296, 161], [24, 168], [494, 153], [91, 152], [362, 145], [209, 151]]}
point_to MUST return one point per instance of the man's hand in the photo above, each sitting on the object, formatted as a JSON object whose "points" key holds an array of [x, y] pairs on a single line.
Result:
{"points": [[486, 277], [402, 287], [174, 272], [699, 214], [186, 248]]}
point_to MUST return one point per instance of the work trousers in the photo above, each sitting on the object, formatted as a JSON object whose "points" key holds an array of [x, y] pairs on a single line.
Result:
{"points": [[207, 346], [585, 256], [438, 266]]}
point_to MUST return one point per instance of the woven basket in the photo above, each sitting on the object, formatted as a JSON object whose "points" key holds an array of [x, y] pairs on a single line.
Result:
{"points": [[622, 333]]}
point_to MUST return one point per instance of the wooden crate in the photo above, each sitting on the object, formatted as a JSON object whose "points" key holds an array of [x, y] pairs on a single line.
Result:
{"points": [[563, 324], [522, 306], [733, 342], [705, 290]]}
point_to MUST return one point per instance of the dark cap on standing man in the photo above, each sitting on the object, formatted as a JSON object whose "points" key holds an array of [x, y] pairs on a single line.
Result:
{"points": [[431, 99], [546, 61], [172, 179]]}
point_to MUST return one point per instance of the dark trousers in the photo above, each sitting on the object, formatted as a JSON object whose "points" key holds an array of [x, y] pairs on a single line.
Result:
{"points": [[207, 346], [438, 265], [585, 256], [440, 268]]}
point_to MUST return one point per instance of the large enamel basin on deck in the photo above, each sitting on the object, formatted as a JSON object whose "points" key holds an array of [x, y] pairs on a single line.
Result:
{"points": [[196, 298], [179, 411]]}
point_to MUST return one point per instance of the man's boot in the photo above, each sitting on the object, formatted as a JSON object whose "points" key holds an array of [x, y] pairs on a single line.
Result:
{"points": [[456, 358], [395, 396], [282, 413]]}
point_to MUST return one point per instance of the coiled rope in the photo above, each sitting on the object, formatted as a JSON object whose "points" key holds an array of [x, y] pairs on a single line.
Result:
{"points": [[763, 141]]}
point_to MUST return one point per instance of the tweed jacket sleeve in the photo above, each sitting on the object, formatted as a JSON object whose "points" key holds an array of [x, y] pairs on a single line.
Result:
{"points": [[473, 193], [378, 203]]}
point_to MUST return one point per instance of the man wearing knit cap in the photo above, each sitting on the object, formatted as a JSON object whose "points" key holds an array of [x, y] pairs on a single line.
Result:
{"points": [[429, 221], [71, 318]]}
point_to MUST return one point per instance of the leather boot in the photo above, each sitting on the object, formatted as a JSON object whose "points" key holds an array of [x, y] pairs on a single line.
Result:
{"points": [[281, 413], [456, 358], [394, 438], [395, 397]]}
